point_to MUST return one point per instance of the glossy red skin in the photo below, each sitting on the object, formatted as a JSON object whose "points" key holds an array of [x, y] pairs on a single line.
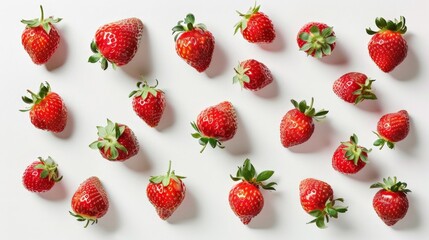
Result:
{"points": [[33, 181], [295, 128], [387, 49], [166, 199], [129, 141], [259, 29], [50, 114], [151, 108], [347, 84], [341, 164], [306, 28], [246, 201], [314, 194], [259, 74], [219, 121], [40, 45], [390, 206], [90, 199], [394, 127]]}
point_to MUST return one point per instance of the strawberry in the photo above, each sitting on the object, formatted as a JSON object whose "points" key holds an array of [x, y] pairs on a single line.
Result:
{"points": [[391, 202], [316, 39], [297, 124], [317, 199], [387, 47], [90, 201], [255, 26], [392, 128], [166, 193], [194, 43], [116, 142], [41, 175], [354, 87], [40, 38], [349, 157], [252, 75], [117, 42], [148, 103], [47, 111], [245, 198], [215, 125]]}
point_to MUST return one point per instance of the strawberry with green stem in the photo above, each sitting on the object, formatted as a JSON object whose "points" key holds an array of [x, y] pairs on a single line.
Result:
{"points": [[252, 75], [354, 87], [349, 157], [255, 26], [41, 175], [392, 128], [316, 39]]}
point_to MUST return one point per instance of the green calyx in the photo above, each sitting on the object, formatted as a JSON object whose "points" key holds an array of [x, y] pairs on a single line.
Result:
{"points": [[247, 173], [394, 26], [108, 139], [391, 184], [144, 89], [309, 110], [203, 140], [365, 91], [318, 43], [165, 179], [245, 18], [86, 219], [98, 57], [49, 169], [381, 141], [186, 24], [44, 90], [45, 23], [354, 152], [241, 76], [330, 211]]}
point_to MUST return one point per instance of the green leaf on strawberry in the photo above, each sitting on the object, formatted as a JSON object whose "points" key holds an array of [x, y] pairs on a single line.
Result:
{"points": [[247, 173], [108, 139]]}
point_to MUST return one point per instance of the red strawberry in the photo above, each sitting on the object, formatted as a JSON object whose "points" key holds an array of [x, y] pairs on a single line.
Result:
{"points": [[89, 202], [252, 75], [194, 43], [391, 203], [387, 47], [317, 199], [47, 111], [41, 175], [116, 42], [245, 198], [255, 26], [166, 193], [354, 87], [349, 157], [215, 124], [316, 39], [40, 38], [392, 128], [297, 124], [116, 142]]}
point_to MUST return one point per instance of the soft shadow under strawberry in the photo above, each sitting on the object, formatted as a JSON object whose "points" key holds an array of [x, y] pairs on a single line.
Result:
{"points": [[57, 193], [318, 141], [409, 69], [140, 162], [187, 211], [69, 129], [60, 56], [168, 117], [141, 64], [219, 62]]}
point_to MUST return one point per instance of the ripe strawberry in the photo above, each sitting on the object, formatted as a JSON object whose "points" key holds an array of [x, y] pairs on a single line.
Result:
{"points": [[392, 128], [349, 157], [40, 38], [89, 202], [354, 87], [316, 39], [215, 124], [116, 142], [391, 203], [47, 111], [41, 175], [255, 26], [166, 193], [252, 75], [194, 43], [116, 42], [317, 199], [387, 47], [245, 199], [297, 124]]}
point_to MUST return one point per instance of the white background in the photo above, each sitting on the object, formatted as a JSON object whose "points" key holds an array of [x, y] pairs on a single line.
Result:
{"points": [[92, 95]]}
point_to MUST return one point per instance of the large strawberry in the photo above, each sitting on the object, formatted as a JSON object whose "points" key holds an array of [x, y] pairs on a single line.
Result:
{"points": [[255, 26], [117, 42], [316, 39], [354, 87], [194, 43], [90, 201], [245, 198], [391, 202], [317, 199], [40, 38], [387, 47], [41, 175], [215, 125], [349, 157], [252, 75], [116, 142], [47, 111], [166, 193], [392, 128], [297, 124]]}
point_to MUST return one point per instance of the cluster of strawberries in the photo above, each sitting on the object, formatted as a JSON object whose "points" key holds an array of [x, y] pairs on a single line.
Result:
{"points": [[116, 44]]}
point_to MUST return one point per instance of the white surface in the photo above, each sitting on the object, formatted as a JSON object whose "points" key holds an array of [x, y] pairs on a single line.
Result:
{"points": [[92, 95]]}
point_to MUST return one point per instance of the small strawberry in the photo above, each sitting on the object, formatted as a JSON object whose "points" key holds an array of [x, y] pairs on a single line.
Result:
{"points": [[387, 47], [392, 128], [349, 157], [245, 198], [317, 199], [89, 202], [166, 193], [116, 142], [316, 39], [117, 42], [354, 87], [194, 43], [252, 75], [255, 26], [47, 111], [297, 124], [41, 175], [40, 38], [215, 125], [391, 202]]}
